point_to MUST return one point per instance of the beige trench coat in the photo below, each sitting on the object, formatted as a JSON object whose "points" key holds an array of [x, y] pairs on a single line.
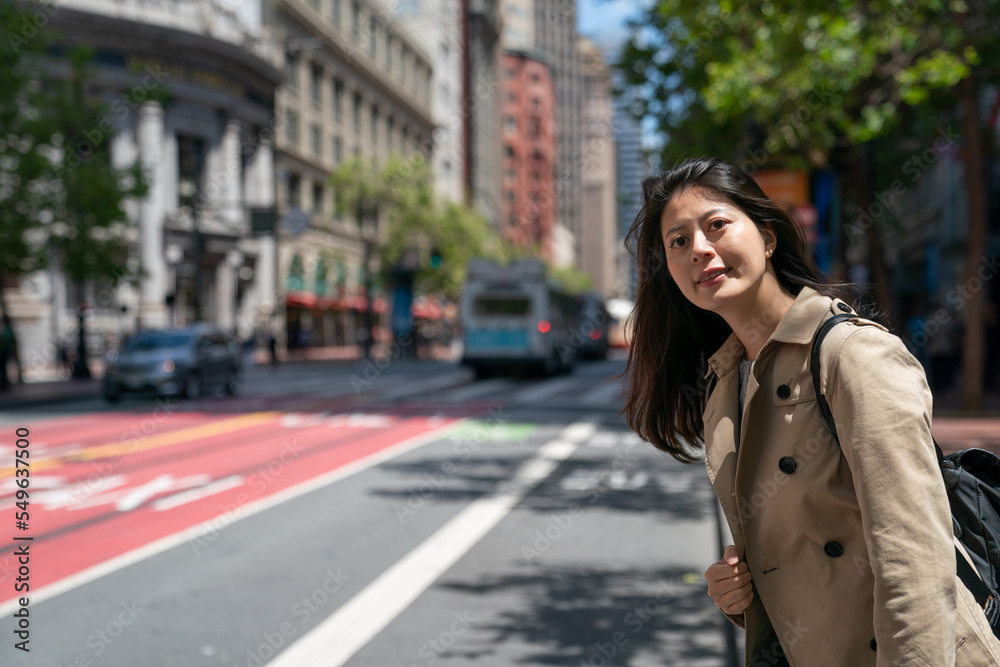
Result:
{"points": [[850, 546]]}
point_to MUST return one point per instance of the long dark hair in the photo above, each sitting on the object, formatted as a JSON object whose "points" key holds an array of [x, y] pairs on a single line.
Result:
{"points": [[672, 338]]}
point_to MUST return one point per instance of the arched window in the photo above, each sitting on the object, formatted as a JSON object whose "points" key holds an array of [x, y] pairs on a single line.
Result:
{"points": [[319, 286], [295, 281]]}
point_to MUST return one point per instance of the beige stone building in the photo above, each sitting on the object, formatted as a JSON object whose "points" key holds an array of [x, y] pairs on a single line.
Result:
{"points": [[597, 233], [355, 84]]}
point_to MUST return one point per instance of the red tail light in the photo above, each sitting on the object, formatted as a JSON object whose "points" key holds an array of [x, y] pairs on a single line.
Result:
{"points": [[595, 334], [544, 326]]}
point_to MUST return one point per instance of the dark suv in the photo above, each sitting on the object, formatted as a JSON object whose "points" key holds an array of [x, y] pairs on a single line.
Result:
{"points": [[171, 362]]}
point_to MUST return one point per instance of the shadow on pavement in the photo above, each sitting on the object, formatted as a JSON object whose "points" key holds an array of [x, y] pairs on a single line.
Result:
{"points": [[585, 616]]}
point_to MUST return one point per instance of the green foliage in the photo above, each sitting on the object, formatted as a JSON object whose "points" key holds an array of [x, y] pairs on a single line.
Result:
{"points": [[414, 219], [796, 79], [60, 197], [571, 279]]}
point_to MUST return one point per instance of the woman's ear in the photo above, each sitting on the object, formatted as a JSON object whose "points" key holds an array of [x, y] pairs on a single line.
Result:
{"points": [[770, 238]]}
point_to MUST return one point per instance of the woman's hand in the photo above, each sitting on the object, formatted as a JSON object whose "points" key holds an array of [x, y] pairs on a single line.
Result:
{"points": [[729, 583]]}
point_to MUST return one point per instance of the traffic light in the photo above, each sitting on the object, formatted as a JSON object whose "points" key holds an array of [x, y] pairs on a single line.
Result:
{"points": [[435, 259]]}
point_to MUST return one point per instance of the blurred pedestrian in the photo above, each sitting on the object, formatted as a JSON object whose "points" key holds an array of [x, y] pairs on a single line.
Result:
{"points": [[6, 351], [843, 551], [65, 364], [272, 348]]}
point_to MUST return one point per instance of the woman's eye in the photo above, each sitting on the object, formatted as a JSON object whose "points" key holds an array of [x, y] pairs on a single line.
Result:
{"points": [[676, 242], [718, 223]]}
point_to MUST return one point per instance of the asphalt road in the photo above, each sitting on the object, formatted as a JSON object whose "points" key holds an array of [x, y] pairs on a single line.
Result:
{"points": [[361, 516]]}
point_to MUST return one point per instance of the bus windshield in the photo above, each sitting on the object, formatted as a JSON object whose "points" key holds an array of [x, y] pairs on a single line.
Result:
{"points": [[495, 306]]}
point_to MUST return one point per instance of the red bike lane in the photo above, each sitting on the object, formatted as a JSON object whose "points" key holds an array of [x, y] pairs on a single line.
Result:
{"points": [[100, 488]]}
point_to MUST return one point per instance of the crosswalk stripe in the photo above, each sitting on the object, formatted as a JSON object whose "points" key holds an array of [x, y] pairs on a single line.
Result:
{"points": [[334, 641]]}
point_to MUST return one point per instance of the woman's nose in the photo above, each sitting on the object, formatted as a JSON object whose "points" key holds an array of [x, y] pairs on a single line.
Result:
{"points": [[701, 248]]}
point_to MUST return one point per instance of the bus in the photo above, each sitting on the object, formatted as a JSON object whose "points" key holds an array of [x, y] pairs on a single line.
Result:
{"points": [[513, 317]]}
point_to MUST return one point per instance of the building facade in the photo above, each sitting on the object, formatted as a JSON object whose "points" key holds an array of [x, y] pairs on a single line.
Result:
{"points": [[555, 33], [598, 221], [436, 26], [629, 174], [529, 163], [357, 85], [207, 155], [481, 91]]}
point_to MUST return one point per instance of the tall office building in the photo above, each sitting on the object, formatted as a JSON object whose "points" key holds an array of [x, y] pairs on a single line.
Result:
{"points": [[436, 26], [598, 222], [555, 33], [481, 85]]}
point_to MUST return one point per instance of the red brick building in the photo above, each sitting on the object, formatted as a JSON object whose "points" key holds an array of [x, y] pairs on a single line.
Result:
{"points": [[529, 152]]}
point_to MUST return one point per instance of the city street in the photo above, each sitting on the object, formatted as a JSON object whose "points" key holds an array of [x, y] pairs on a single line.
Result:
{"points": [[343, 514]]}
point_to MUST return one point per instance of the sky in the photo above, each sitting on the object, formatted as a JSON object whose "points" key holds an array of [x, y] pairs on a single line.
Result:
{"points": [[604, 20]]}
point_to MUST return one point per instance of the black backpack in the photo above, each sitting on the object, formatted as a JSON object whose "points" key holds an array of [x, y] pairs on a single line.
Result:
{"points": [[972, 481]]}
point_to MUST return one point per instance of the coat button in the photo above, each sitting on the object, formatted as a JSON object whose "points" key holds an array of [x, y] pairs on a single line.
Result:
{"points": [[784, 391], [787, 465], [833, 549], [873, 645], [844, 307]]}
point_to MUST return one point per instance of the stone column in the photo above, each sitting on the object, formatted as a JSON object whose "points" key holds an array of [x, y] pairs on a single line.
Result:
{"points": [[149, 132], [259, 179], [231, 186]]}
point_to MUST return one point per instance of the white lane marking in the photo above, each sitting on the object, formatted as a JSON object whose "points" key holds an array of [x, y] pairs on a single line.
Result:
{"points": [[248, 510], [334, 641], [191, 495]]}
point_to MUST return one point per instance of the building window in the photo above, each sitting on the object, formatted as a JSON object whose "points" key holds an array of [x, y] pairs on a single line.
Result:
{"points": [[533, 127], [318, 196], [296, 274], [372, 36], [292, 127], [509, 194], [338, 99], [335, 12], [404, 139], [315, 4], [403, 62], [390, 125], [374, 128], [355, 21], [317, 86], [190, 155], [292, 73], [338, 150], [508, 151], [357, 112], [294, 191], [510, 124], [388, 51], [511, 175], [510, 97], [535, 102], [317, 140]]}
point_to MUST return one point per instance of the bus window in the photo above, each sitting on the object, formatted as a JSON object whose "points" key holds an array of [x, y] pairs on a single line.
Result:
{"points": [[488, 307]]}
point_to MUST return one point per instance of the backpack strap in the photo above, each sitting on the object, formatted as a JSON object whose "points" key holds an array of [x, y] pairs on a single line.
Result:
{"points": [[824, 407], [965, 572]]}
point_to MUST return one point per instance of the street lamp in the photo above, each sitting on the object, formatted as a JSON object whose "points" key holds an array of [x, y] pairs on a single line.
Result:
{"points": [[368, 211]]}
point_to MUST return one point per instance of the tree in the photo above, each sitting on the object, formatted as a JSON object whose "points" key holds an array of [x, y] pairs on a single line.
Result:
{"points": [[415, 219], [61, 199], [815, 84]]}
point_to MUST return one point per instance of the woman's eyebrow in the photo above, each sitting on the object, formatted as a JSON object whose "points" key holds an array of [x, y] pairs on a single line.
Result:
{"points": [[706, 214]]}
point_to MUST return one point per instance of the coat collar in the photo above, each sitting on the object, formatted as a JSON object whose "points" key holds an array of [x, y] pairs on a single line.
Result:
{"points": [[798, 325]]}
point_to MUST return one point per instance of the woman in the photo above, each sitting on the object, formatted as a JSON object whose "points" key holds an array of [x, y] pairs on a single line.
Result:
{"points": [[843, 553]]}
